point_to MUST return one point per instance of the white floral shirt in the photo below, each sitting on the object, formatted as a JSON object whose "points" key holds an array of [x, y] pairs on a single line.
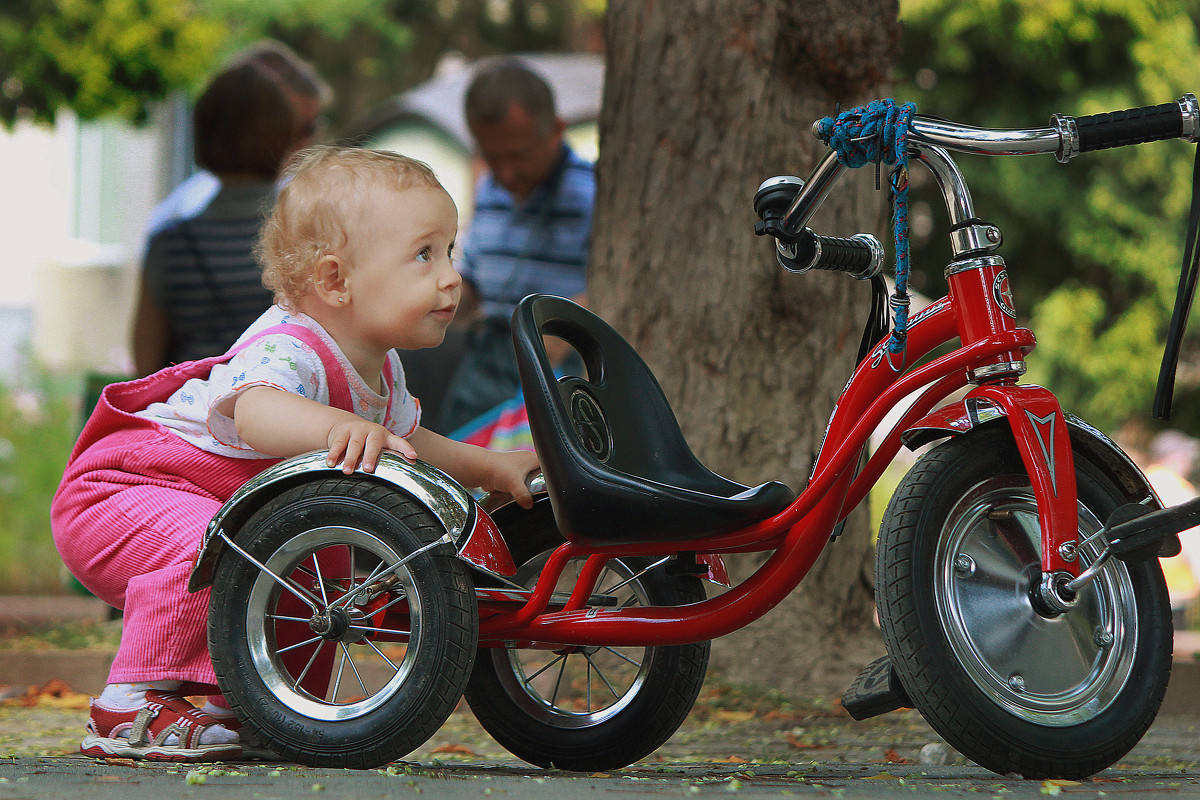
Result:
{"points": [[199, 410]]}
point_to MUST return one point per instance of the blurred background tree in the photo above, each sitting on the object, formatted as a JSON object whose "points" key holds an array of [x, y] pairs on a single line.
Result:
{"points": [[118, 57], [98, 57], [1094, 246]]}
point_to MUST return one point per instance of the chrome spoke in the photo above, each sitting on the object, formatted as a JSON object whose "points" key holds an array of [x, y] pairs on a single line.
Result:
{"points": [[390, 603], [354, 591], [587, 682], [312, 660], [382, 655], [320, 580], [337, 683], [624, 657], [304, 596], [351, 596], [529, 678], [306, 571], [298, 644], [558, 681], [346, 654], [637, 575], [369, 629], [600, 675]]}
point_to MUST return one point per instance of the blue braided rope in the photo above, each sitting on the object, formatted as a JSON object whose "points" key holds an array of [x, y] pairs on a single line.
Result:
{"points": [[873, 134]]}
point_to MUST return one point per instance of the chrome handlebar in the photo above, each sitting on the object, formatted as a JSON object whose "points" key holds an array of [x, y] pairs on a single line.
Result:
{"points": [[929, 133]]}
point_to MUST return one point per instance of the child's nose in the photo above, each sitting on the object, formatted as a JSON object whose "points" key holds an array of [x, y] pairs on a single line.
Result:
{"points": [[451, 277]]}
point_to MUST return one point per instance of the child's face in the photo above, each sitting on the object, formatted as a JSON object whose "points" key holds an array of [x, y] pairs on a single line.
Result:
{"points": [[403, 287]]}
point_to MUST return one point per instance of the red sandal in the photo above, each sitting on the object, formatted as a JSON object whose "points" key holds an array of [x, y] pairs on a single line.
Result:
{"points": [[143, 732]]}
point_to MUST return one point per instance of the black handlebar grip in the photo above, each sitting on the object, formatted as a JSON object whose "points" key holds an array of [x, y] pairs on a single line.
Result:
{"points": [[852, 256], [1132, 126], [859, 257]]}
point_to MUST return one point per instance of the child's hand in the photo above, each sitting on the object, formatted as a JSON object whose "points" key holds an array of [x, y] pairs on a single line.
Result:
{"points": [[357, 441], [509, 471]]}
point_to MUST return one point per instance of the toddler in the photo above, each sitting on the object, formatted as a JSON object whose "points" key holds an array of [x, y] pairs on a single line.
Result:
{"points": [[358, 254]]}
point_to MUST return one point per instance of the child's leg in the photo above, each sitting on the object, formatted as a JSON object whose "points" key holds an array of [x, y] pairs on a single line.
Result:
{"points": [[152, 534]]}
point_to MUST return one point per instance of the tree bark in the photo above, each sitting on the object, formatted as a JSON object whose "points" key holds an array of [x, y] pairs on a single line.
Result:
{"points": [[703, 100]]}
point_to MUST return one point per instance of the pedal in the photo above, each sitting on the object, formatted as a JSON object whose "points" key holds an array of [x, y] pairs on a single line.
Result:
{"points": [[1136, 533], [877, 690]]}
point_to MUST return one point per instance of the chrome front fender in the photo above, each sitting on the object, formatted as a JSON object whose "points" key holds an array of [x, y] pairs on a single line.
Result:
{"points": [[446, 500]]}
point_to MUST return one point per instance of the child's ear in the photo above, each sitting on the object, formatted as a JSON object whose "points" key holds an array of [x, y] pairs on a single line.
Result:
{"points": [[329, 281]]}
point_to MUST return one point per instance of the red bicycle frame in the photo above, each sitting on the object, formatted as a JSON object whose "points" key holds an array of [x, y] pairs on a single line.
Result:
{"points": [[978, 311]]}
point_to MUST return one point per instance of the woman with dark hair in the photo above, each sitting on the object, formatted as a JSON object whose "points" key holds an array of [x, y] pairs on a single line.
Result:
{"points": [[201, 286]]}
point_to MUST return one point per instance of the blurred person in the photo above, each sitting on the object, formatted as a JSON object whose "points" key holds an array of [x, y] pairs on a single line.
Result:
{"points": [[1173, 457], [310, 95], [530, 232], [200, 284]]}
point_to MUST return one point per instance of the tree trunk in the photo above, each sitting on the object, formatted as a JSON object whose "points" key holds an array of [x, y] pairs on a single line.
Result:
{"points": [[703, 100]]}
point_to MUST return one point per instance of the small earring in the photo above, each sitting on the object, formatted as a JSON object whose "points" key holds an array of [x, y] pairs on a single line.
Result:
{"points": [[341, 299]]}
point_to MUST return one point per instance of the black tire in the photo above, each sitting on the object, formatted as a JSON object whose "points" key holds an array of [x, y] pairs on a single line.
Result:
{"points": [[550, 709], [1013, 689], [341, 699]]}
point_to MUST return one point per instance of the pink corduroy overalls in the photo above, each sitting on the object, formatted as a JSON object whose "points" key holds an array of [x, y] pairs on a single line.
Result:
{"points": [[132, 507]]}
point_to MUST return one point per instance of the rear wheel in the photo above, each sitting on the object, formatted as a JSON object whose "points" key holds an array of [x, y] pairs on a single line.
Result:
{"points": [[588, 708], [1011, 686], [349, 638]]}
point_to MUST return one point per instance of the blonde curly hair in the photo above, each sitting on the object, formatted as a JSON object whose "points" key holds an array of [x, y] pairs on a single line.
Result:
{"points": [[325, 187]]}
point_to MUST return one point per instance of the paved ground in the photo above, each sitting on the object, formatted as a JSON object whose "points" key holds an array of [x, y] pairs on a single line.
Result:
{"points": [[755, 746]]}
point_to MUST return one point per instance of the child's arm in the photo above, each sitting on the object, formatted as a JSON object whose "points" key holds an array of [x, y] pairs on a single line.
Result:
{"points": [[283, 424], [474, 466]]}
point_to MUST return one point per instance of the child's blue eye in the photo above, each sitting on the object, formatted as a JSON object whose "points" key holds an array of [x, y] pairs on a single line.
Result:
{"points": [[424, 255]]}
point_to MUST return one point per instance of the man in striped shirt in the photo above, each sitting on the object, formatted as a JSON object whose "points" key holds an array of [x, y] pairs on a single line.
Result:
{"points": [[530, 232]]}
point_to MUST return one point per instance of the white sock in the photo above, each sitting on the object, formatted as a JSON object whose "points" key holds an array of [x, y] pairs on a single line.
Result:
{"points": [[214, 710], [133, 695]]}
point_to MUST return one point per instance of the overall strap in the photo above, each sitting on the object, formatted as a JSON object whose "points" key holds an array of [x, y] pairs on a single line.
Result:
{"points": [[119, 402], [339, 387]]}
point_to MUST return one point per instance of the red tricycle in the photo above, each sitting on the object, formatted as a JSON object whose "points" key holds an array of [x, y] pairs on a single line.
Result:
{"points": [[1020, 597]]}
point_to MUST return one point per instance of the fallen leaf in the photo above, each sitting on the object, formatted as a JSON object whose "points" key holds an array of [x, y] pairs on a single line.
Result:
{"points": [[455, 748], [799, 745], [883, 776], [733, 716], [55, 693], [895, 758], [730, 760]]}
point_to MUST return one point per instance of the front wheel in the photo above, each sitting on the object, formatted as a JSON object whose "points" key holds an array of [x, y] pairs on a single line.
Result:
{"points": [[588, 708], [1012, 687], [343, 632]]}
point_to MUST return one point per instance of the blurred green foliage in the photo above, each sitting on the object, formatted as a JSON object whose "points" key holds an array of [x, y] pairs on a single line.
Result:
{"points": [[38, 427], [98, 57], [118, 57], [1093, 247]]}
